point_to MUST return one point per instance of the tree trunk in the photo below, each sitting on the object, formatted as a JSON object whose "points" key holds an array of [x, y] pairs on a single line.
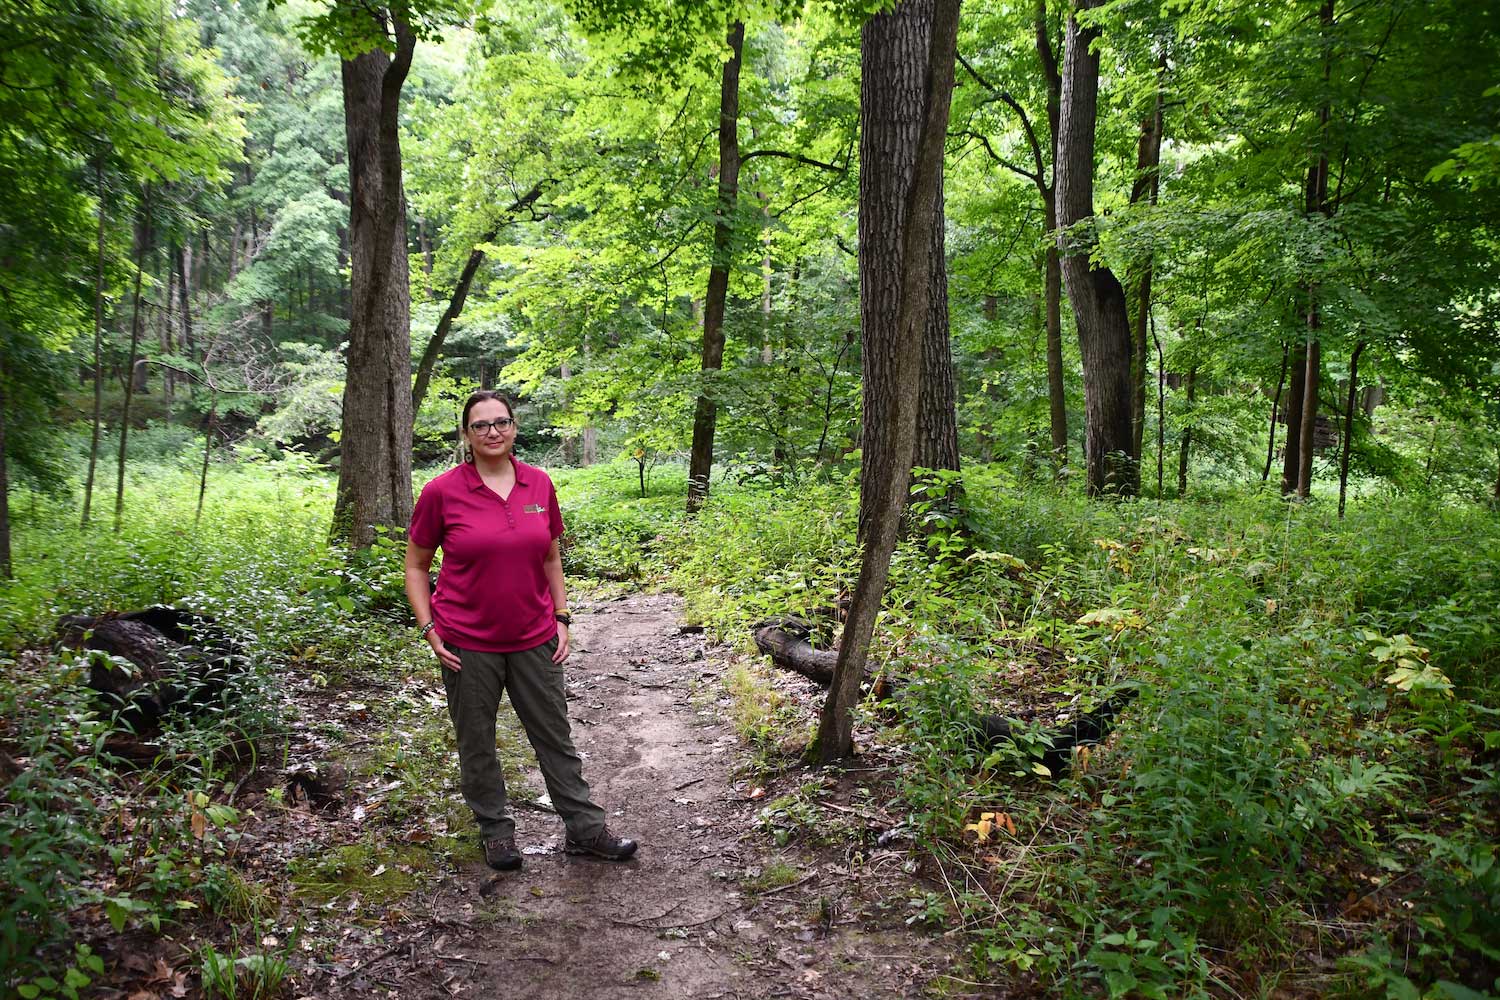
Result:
{"points": [[1275, 406], [434, 347], [424, 244], [882, 36], [164, 335], [1187, 433], [1293, 446], [705, 417], [894, 52], [1146, 188], [1316, 202], [184, 306], [234, 248], [1161, 407], [144, 244], [208, 448], [1057, 399], [375, 464], [88, 483], [1096, 294], [937, 405], [1349, 426], [1310, 380]]}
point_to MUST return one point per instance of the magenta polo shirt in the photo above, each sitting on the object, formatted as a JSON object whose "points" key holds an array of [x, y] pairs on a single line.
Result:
{"points": [[492, 594]]}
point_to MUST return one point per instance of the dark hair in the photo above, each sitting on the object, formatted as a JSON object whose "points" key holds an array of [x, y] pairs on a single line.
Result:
{"points": [[483, 395]]}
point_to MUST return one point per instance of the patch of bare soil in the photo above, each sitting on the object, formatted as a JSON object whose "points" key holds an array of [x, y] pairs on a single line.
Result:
{"points": [[710, 908]]}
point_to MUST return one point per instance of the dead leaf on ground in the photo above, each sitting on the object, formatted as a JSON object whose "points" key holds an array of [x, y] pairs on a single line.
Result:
{"points": [[161, 972]]}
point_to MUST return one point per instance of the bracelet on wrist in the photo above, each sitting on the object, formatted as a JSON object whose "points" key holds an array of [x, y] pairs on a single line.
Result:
{"points": [[565, 616], [428, 628]]}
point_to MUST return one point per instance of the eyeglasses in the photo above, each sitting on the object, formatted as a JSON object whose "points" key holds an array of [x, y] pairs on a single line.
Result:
{"points": [[482, 428]]}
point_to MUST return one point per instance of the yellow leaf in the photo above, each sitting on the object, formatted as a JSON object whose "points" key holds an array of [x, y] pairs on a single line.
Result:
{"points": [[982, 829], [1271, 605]]}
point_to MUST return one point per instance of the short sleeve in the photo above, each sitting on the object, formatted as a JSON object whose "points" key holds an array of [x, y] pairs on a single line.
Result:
{"points": [[554, 512], [426, 529]]}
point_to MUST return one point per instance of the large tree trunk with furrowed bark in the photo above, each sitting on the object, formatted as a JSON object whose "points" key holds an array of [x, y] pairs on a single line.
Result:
{"points": [[706, 414], [1097, 296], [896, 412], [894, 52], [375, 462], [937, 406]]}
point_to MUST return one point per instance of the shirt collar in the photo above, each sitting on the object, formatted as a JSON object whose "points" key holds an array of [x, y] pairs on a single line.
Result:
{"points": [[473, 480]]}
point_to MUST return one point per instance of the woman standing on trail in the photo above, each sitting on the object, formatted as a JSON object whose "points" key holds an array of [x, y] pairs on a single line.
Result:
{"points": [[498, 621]]}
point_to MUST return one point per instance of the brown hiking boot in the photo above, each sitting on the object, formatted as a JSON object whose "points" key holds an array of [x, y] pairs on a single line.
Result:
{"points": [[500, 854], [602, 845]]}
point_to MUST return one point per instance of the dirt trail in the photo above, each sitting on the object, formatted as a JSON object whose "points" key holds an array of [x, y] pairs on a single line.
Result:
{"points": [[679, 921]]}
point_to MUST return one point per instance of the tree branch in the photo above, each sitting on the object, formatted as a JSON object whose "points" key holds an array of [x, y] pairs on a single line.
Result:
{"points": [[798, 157], [1036, 147], [1002, 161]]}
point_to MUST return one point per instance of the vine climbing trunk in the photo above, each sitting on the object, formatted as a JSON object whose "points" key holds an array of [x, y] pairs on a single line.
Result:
{"points": [[1097, 297], [881, 35], [706, 414], [374, 488]]}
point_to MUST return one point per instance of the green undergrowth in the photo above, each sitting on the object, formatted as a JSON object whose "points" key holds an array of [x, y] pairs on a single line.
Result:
{"points": [[1301, 797], [1303, 794], [81, 829]]}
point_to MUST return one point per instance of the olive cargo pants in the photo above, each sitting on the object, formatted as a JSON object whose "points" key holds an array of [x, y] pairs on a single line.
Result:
{"points": [[535, 685]]}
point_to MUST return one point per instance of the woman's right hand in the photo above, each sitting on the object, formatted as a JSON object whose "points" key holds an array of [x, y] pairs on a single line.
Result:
{"points": [[445, 655]]}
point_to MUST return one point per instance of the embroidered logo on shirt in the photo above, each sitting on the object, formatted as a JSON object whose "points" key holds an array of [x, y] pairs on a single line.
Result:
{"points": [[534, 508]]}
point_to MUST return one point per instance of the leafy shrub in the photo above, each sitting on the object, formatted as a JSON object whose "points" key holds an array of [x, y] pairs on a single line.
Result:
{"points": [[48, 826]]}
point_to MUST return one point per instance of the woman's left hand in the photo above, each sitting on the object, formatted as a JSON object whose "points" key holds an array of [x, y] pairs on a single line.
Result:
{"points": [[561, 652]]}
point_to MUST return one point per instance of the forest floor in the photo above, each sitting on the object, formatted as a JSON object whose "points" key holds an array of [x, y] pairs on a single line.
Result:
{"points": [[372, 903]]}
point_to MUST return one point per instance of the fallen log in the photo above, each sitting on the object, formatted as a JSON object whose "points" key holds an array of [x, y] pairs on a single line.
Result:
{"points": [[785, 640], [147, 663], [1056, 744]]}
